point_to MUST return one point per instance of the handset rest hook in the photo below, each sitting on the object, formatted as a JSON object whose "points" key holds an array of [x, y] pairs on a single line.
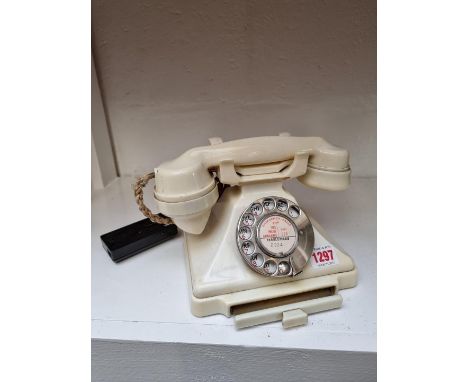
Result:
{"points": [[229, 175]]}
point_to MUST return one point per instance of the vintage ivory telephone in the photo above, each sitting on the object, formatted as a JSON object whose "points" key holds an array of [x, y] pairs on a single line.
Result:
{"points": [[252, 252]]}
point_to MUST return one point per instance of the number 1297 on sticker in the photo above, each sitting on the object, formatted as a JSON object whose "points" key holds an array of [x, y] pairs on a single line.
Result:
{"points": [[323, 257]]}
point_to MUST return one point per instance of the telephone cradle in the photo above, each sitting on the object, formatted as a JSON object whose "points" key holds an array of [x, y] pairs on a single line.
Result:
{"points": [[252, 252]]}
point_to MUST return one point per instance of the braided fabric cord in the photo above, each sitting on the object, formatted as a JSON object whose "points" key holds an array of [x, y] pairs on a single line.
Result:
{"points": [[138, 190]]}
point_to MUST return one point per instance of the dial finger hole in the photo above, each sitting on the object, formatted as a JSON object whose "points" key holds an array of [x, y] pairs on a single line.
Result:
{"points": [[294, 211], [282, 205], [256, 209], [270, 267], [257, 259], [248, 219], [247, 247], [269, 204], [245, 233], [284, 268]]}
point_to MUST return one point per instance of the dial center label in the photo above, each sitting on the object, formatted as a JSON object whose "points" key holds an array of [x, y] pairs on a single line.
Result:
{"points": [[277, 235]]}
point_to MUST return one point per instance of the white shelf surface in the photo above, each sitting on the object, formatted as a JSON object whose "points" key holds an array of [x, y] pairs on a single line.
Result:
{"points": [[146, 298]]}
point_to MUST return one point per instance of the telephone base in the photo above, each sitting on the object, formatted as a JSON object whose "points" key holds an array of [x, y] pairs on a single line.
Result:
{"points": [[222, 283]]}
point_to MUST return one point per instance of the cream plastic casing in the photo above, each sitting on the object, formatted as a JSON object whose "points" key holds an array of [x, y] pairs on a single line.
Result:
{"points": [[220, 279]]}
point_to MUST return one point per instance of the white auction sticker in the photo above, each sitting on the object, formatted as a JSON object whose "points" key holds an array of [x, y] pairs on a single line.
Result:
{"points": [[324, 256]]}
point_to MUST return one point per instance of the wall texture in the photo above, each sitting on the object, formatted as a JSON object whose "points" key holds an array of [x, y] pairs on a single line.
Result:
{"points": [[174, 73]]}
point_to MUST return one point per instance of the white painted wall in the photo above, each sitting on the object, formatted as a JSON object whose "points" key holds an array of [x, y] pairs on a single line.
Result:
{"points": [[174, 73]]}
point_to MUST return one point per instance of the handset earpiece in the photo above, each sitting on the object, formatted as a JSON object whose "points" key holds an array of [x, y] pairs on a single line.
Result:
{"points": [[328, 169]]}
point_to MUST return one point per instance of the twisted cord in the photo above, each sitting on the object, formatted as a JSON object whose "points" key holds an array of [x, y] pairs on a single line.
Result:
{"points": [[138, 190]]}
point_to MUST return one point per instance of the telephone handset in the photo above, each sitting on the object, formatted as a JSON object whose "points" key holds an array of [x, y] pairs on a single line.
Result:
{"points": [[186, 188], [253, 252]]}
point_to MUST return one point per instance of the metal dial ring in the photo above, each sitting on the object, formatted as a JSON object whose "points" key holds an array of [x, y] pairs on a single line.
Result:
{"points": [[275, 237]]}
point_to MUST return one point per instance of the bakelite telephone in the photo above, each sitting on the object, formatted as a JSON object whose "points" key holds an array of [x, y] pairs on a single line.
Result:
{"points": [[253, 253]]}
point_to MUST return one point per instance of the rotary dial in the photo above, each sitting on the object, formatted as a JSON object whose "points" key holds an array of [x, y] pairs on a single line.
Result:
{"points": [[275, 237]]}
